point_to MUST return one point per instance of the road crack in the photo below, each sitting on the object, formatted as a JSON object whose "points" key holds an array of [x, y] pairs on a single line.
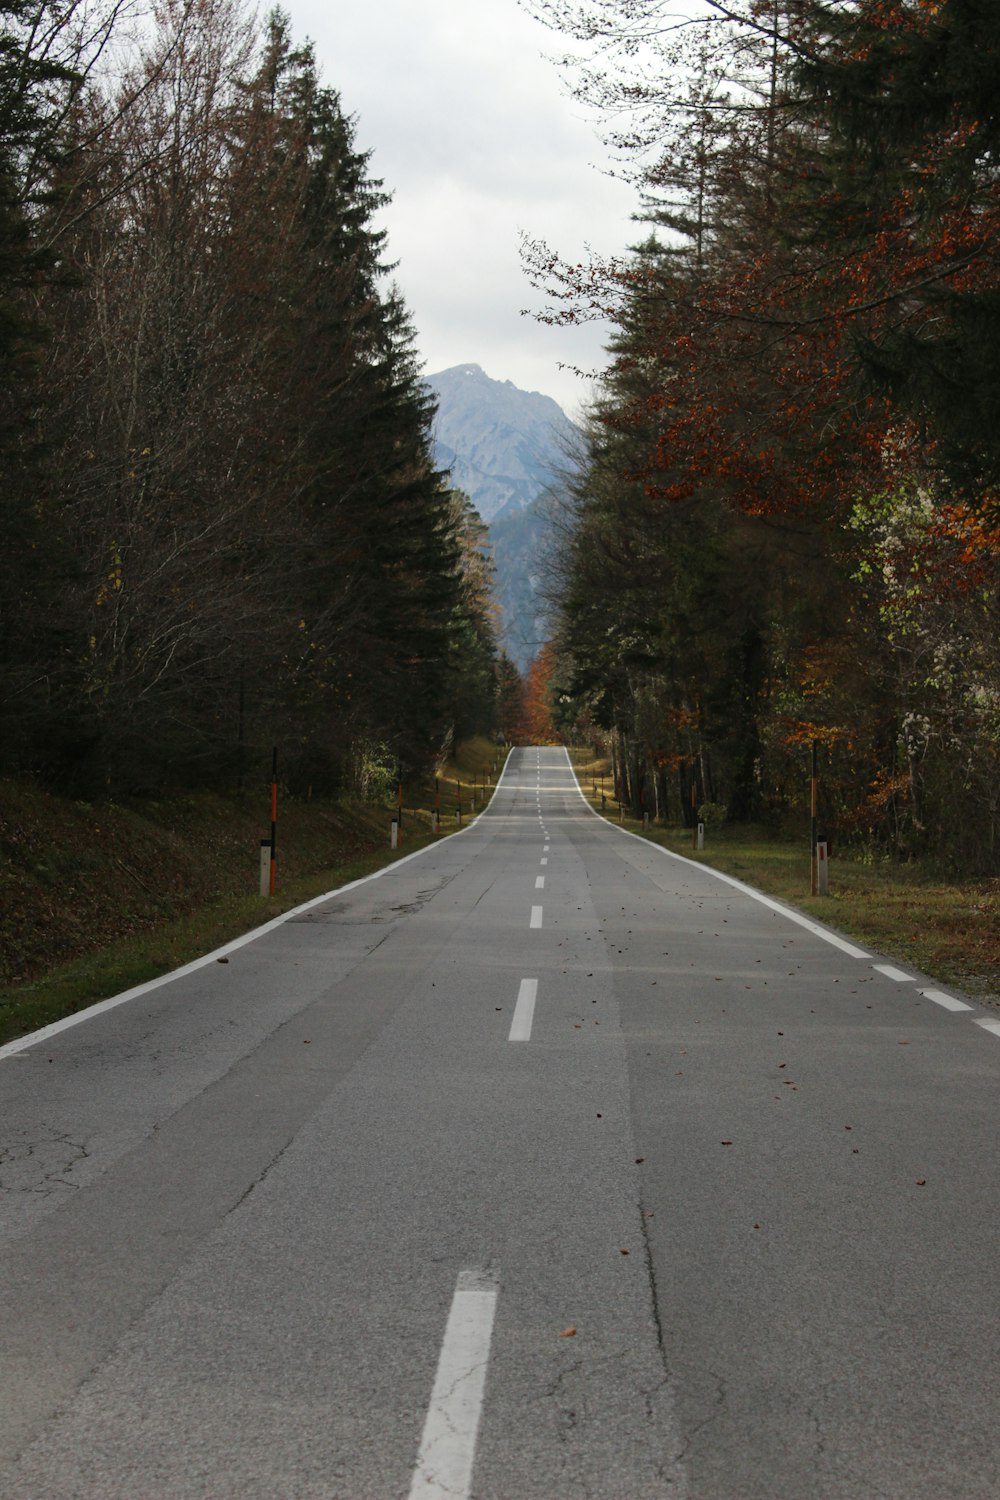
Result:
{"points": [[40, 1163]]}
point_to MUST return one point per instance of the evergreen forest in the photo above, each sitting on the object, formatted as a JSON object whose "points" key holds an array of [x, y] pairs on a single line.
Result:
{"points": [[222, 527], [787, 533]]}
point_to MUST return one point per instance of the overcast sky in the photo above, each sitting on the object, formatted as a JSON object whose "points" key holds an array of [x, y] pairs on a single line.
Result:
{"points": [[473, 133]]}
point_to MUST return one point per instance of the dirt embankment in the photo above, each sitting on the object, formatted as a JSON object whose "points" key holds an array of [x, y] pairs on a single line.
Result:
{"points": [[76, 877]]}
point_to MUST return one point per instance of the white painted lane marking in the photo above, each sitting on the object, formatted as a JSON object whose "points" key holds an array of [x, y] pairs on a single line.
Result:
{"points": [[536, 917], [748, 890], [448, 1445], [891, 973], [543, 860], [993, 1026], [524, 1011], [948, 1001], [539, 882], [545, 848]]}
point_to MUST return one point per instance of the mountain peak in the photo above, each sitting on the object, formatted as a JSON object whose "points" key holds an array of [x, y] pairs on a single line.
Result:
{"points": [[505, 448], [503, 445]]}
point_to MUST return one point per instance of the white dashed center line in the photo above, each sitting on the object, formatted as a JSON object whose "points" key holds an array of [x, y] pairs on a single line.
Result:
{"points": [[539, 882], [524, 1011], [536, 917], [448, 1445]]}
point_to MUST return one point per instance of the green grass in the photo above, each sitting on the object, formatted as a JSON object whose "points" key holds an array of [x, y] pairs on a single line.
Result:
{"points": [[949, 930]]}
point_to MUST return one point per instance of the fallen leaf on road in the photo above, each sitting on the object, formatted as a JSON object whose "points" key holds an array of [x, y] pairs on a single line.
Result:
{"points": [[921, 1182], [725, 1143], [568, 1333], [623, 1252]]}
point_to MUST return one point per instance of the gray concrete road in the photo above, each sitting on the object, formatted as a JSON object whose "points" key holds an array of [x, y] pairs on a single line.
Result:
{"points": [[543, 1166]]}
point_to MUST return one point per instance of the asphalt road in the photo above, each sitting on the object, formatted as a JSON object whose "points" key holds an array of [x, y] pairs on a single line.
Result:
{"points": [[544, 1166]]}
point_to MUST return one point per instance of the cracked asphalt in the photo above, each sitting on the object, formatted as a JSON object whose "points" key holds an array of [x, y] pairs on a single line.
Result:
{"points": [[738, 1192]]}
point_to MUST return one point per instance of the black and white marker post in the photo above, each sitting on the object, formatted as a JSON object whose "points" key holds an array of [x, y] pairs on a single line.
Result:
{"points": [[272, 882]]}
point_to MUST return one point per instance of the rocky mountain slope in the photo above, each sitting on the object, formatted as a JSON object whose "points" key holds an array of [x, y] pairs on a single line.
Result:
{"points": [[509, 450], [504, 446]]}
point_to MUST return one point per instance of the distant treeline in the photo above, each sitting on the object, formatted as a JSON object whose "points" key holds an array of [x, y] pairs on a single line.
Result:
{"points": [[221, 525], [788, 534]]}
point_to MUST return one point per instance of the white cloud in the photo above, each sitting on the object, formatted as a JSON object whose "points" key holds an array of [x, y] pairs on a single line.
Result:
{"points": [[471, 131]]}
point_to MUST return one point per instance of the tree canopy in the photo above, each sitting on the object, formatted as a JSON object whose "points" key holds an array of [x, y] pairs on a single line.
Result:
{"points": [[788, 531], [223, 525]]}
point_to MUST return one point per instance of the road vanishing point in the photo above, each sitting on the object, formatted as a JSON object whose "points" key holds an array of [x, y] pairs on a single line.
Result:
{"points": [[544, 1165]]}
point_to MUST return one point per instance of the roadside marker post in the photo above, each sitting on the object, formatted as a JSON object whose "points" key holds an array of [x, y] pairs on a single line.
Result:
{"points": [[813, 861], [265, 868], [823, 867], [273, 874]]}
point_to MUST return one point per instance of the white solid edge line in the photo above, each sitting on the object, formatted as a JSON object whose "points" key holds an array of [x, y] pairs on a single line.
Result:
{"points": [[448, 1445], [10, 1049], [893, 973], [536, 917], [947, 1001], [524, 1012], [748, 890]]}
